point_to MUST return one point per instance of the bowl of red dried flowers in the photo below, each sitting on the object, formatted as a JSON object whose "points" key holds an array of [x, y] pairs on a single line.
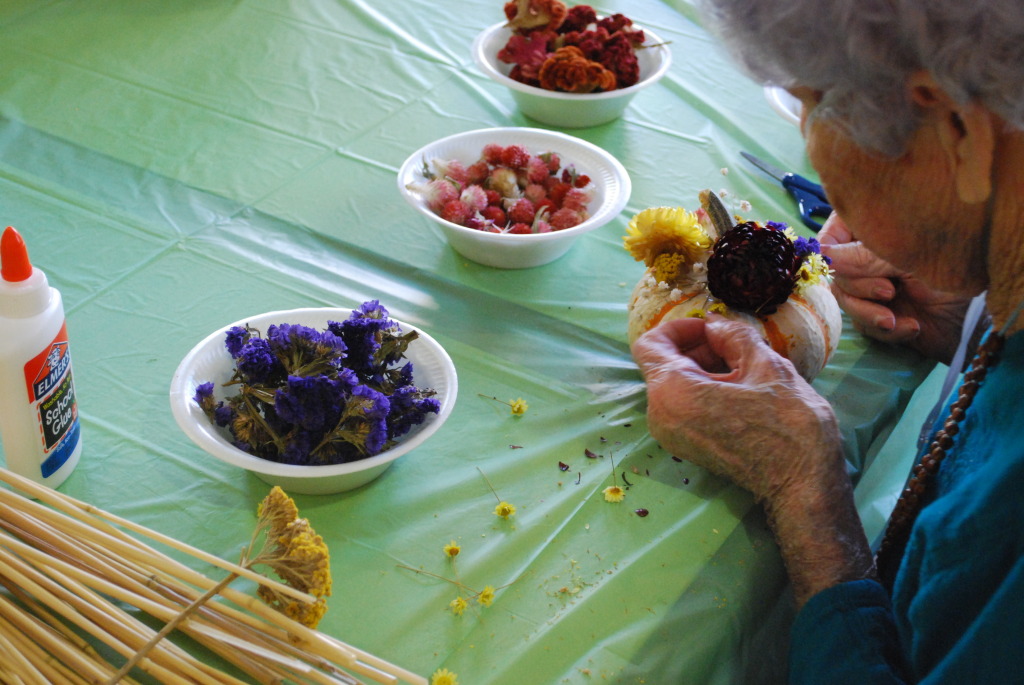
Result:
{"points": [[315, 400], [567, 66], [513, 197]]}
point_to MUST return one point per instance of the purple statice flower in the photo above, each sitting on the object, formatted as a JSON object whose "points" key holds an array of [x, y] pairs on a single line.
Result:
{"points": [[223, 415], [409, 407], [777, 225], [374, 411], [312, 403], [298, 449], [806, 246], [204, 393], [256, 362], [305, 350], [234, 339]]}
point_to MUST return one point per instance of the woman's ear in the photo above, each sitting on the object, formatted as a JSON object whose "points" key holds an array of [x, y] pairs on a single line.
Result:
{"points": [[966, 133]]}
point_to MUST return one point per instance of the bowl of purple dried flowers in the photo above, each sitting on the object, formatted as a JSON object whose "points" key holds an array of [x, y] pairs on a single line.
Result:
{"points": [[317, 400]]}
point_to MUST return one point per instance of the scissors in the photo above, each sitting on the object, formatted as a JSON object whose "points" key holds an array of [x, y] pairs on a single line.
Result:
{"points": [[810, 197]]}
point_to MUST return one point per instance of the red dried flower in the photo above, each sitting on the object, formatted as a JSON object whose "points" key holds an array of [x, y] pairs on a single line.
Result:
{"points": [[569, 71], [535, 14]]}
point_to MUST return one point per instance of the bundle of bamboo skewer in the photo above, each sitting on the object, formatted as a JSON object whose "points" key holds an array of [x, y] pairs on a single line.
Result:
{"points": [[76, 579]]}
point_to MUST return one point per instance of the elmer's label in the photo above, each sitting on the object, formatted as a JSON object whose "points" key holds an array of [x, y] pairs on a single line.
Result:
{"points": [[52, 391]]}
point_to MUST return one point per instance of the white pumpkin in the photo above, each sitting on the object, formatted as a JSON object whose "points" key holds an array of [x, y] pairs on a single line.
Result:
{"points": [[805, 329]]}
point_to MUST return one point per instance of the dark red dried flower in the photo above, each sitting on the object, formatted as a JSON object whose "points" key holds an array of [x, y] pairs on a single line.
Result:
{"points": [[753, 268], [567, 70]]}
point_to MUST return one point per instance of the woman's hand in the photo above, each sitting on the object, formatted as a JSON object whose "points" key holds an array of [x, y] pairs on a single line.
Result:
{"points": [[888, 304], [720, 397]]}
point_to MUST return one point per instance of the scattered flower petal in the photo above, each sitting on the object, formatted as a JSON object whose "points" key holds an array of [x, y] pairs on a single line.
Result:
{"points": [[486, 596], [443, 676], [504, 510], [458, 605], [613, 493]]}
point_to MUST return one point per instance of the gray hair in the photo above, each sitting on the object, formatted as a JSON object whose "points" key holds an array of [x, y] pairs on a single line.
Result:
{"points": [[859, 53]]}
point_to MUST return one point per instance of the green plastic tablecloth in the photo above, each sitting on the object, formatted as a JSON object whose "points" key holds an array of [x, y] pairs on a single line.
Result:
{"points": [[176, 166]]}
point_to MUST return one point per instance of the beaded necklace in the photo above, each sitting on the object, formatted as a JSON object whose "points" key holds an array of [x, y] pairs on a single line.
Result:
{"points": [[897, 532]]}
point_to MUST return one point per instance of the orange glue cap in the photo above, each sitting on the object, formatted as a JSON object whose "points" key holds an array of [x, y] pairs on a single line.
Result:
{"points": [[14, 264]]}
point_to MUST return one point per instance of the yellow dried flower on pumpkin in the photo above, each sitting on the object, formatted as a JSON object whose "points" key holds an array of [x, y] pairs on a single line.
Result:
{"points": [[666, 266], [660, 230], [814, 270]]}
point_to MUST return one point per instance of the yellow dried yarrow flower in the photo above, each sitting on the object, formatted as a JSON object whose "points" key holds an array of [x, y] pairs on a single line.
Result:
{"points": [[276, 511], [486, 596], [296, 554], [443, 676], [504, 510], [613, 493], [659, 230], [452, 549], [458, 605]]}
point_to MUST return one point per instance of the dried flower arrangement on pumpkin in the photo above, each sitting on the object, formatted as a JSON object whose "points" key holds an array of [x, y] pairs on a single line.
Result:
{"points": [[570, 49], [313, 397], [699, 262]]}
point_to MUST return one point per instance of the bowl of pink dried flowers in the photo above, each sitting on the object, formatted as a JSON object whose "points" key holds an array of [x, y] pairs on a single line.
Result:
{"points": [[513, 197], [568, 66]]}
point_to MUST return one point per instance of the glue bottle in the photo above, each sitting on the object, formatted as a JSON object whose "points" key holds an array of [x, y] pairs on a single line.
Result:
{"points": [[42, 435]]}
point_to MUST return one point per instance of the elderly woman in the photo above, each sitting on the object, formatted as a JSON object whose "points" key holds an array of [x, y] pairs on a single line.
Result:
{"points": [[913, 113]]}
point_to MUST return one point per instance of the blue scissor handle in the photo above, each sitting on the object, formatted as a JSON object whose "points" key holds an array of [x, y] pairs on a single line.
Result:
{"points": [[810, 199]]}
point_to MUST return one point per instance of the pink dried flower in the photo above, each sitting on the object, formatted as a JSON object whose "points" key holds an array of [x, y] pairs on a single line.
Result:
{"points": [[521, 211], [535, 192], [536, 170], [474, 197], [452, 169], [435, 193], [564, 218], [456, 212], [576, 199]]}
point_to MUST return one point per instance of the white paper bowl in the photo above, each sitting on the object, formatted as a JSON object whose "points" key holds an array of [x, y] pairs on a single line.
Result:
{"points": [[610, 193], [568, 110], [210, 361]]}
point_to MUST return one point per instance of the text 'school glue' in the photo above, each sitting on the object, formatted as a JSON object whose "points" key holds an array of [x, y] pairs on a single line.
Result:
{"points": [[42, 435]]}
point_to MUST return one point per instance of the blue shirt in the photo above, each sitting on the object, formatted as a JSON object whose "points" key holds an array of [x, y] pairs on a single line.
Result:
{"points": [[957, 609]]}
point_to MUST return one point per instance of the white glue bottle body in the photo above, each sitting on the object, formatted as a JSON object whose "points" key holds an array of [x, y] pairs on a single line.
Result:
{"points": [[39, 423]]}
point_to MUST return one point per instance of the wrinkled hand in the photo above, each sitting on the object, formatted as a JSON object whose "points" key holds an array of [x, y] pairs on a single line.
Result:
{"points": [[720, 397], [888, 304]]}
